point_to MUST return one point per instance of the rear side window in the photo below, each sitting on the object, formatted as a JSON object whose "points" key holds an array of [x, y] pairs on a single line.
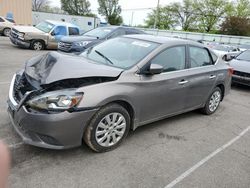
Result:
{"points": [[74, 31], [1, 20], [214, 57], [199, 57], [172, 59], [60, 30]]}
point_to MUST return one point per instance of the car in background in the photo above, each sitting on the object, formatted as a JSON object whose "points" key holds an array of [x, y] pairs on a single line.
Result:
{"points": [[244, 47], [5, 25], [46, 34], [225, 51], [241, 66], [80, 43], [60, 100]]}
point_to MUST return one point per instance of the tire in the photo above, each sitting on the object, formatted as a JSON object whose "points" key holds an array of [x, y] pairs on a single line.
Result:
{"points": [[107, 138], [37, 45], [213, 102], [6, 32]]}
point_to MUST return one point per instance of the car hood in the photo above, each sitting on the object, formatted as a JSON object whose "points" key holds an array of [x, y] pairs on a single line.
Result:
{"points": [[77, 39], [239, 65], [55, 66], [27, 29]]}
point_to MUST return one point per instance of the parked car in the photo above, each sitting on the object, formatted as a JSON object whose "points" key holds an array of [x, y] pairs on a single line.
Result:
{"points": [[244, 47], [241, 65], [93, 37], [225, 51], [59, 100], [44, 35], [5, 25]]}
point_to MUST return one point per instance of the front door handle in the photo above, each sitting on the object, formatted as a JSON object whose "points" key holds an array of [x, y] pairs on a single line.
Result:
{"points": [[212, 77], [182, 82]]}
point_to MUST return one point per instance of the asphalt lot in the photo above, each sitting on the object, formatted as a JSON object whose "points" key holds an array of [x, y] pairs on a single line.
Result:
{"points": [[151, 157]]}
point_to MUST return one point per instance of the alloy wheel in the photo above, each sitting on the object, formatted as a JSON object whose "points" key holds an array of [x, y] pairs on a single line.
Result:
{"points": [[110, 129], [214, 101], [37, 45]]}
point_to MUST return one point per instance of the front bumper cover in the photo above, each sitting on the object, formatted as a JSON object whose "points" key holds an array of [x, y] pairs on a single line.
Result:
{"points": [[18, 42], [241, 80], [54, 131]]}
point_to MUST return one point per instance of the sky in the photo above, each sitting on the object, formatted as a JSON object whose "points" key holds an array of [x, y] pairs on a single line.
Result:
{"points": [[129, 14]]}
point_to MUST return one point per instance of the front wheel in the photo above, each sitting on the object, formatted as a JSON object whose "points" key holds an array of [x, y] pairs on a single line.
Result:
{"points": [[37, 45], [6, 32], [213, 102], [108, 128]]}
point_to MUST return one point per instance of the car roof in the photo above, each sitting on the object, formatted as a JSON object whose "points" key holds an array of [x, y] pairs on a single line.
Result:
{"points": [[163, 40], [54, 22], [118, 26]]}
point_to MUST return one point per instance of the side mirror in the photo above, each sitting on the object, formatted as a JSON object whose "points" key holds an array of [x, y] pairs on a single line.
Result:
{"points": [[53, 33], [155, 69], [228, 57]]}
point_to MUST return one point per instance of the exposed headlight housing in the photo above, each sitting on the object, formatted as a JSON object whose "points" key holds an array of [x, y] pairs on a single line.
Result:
{"points": [[21, 35], [56, 100], [82, 43]]}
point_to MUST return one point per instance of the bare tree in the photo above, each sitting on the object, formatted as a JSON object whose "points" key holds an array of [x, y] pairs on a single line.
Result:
{"points": [[37, 5]]}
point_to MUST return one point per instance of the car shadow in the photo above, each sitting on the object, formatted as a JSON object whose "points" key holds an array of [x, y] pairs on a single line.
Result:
{"points": [[240, 87]]}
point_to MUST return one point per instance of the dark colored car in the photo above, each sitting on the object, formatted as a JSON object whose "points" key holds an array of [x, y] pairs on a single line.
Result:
{"points": [[93, 37], [59, 100], [241, 65]]}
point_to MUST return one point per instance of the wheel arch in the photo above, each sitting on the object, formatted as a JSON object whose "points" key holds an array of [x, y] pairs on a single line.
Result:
{"points": [[222, 88]]}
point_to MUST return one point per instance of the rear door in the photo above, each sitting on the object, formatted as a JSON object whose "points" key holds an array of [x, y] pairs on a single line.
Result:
{"points": [[202, 76], [165, 94]]}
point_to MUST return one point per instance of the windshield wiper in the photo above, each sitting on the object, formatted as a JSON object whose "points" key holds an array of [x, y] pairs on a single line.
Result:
{"points": [[106, 58]]}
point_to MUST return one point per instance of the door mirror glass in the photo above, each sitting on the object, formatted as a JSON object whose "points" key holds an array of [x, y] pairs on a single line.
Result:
{"points": [[155, 69]]}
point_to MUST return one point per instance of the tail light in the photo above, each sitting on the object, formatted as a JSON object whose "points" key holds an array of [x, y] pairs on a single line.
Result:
{"points": [[230, 71]]}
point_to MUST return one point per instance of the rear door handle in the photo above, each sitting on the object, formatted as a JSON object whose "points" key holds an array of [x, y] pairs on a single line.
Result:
{"points": [[182, 82], [212, 77]]}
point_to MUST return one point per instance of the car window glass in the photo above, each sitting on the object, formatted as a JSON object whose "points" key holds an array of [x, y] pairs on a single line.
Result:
{"points": [[1, 20], [73, 31], [131, 32], [172, 59], [199, 57], [117, 33], [214, 57], [60, 30]]}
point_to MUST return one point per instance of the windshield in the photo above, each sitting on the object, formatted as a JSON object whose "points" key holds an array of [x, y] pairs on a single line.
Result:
{"points": [[245, 56], [100, 32], [120, 52], [45, 26]]}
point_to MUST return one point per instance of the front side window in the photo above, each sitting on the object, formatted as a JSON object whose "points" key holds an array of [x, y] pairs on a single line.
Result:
{"points": [[120, 52], [74, 31], [45, 26], [100, 32], [60, 30], [172, 59], [1, 20], [199, 57]]}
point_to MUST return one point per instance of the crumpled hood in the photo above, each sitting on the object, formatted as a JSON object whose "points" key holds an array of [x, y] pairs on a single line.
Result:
{"points": [[27, 29], [71, 39], [55, 66], [239, 65]]}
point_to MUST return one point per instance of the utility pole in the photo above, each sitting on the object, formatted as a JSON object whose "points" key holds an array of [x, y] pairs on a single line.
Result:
{"points": [[157, 14]]}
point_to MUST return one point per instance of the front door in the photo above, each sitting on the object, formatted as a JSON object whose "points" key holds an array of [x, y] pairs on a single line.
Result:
{"points": [[165, 94]]}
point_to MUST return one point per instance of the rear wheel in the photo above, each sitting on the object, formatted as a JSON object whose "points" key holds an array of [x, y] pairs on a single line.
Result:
{"points": [[37, 45], [6, 32], [213, 102], [108, 128]]}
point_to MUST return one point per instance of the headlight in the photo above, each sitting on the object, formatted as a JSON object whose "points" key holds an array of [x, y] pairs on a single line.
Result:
{"points": [[21, 35], [56, 100], [82, 43]]}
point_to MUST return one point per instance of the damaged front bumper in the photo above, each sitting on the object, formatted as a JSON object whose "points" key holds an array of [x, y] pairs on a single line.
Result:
{"points": [[59, 130]]}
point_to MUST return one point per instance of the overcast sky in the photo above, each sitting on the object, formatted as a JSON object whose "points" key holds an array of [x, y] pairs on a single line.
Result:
{"points": [[128, 7]]}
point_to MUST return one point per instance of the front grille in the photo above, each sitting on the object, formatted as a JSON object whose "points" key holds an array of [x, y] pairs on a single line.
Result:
{"points": [[14, 33], [64, 46], [243, 74], [21, 86]]}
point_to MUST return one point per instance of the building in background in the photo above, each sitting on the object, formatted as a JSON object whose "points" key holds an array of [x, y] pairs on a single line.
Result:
{"points": [[19, 10]]}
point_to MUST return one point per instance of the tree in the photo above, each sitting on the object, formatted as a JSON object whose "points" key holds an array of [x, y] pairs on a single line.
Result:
{"points": [[240, 8], [236, 26], [77, 7], [111, 10], [209, 13], [38, 5], [165, 19], [184, 14]]}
